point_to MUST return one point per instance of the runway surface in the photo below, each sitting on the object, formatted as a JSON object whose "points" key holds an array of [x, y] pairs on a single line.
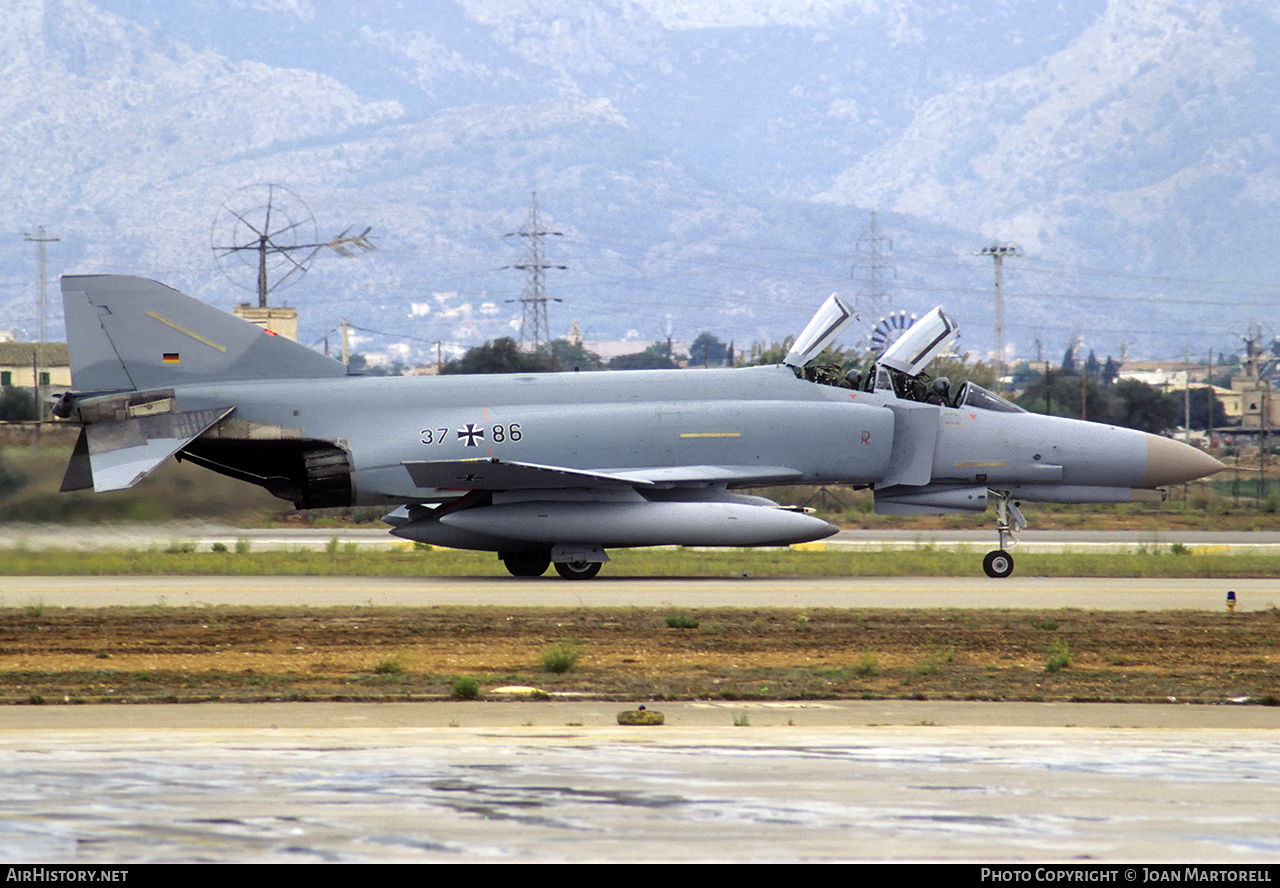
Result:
{"points": [[604, 591], [894, 780], [873, 781]]}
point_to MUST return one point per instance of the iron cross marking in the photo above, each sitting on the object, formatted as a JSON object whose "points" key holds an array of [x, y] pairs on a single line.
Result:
{"points": [[470, 434]]}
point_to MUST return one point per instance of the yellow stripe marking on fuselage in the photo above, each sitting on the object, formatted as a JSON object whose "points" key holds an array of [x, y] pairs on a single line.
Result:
{"points": [[711, 434]]}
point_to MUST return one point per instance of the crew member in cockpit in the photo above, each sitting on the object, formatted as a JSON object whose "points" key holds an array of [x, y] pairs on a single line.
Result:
{"points": [[940, 392]]}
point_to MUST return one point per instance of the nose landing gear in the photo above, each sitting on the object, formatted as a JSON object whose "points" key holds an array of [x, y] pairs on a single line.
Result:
{"points": [[999, 563]]}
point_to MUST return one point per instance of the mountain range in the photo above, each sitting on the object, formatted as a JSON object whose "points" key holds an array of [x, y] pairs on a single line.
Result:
{"points": [[703, 165]]}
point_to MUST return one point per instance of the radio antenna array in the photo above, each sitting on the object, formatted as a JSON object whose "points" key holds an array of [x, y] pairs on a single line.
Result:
{"points": [[264, 237]]}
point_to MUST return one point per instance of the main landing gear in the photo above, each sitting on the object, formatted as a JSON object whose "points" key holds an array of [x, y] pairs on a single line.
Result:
{"points": [[577, 570], [535, 564], [526, 564], [999, 564]]}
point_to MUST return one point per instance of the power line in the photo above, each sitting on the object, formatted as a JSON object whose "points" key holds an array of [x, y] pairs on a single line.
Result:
{"points": [[535, 328], [869, 245]]}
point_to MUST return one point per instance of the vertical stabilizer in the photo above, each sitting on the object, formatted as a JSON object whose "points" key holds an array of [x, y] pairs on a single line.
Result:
{"points": [[132, 334]]}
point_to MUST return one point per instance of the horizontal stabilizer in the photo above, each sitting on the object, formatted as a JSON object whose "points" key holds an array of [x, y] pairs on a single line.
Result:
{"points": [[122, 453], [79, 475]]}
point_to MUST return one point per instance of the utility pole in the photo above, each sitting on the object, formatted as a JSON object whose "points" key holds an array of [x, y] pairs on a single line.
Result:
{"points": [[1048, 390], [998, 254], [1186, 397], [1266, 439], [1084, 382], [40, 239], [535, 329], [1211, 396]]}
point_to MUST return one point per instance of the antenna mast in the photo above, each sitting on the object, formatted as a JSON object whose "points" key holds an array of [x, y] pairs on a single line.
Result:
{"points": [[269, 231]]}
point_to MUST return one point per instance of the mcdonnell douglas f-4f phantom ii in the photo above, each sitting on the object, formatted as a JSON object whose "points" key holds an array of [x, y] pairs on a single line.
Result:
{"points": [[559, 467]]}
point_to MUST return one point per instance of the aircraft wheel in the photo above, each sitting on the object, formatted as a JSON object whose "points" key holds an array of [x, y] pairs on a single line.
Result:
{"points": [[526, 564], [998, 564], [577, 570]]}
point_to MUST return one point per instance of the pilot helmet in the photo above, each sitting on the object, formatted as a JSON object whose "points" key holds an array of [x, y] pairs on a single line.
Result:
{"points": [[941, 385]]}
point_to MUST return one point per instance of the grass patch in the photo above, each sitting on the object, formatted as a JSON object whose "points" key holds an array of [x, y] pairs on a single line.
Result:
{"points": [[391, 666], [416, 562], [562, 658], [1059, 656], [681, 621], [934, 662], [466, 688], [868, 666]]}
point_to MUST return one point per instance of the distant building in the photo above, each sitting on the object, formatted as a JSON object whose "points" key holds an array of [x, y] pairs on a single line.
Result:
{"points": [[1165, 375], [281, 321], [19, 359], [1232, 403], [38, 367], [1258, 408]]}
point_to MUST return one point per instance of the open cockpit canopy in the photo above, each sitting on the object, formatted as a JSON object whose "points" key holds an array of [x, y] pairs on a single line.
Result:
{"points": [[923, 341], [828, 323]]}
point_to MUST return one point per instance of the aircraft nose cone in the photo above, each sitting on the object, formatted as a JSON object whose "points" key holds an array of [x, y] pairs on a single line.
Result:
{"points": [[1172, 462]]}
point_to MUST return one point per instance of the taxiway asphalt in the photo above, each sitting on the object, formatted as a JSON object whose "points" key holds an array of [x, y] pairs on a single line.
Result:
{"points": [[1093, 593]]}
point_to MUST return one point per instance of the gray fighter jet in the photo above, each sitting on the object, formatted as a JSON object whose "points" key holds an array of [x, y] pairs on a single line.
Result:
{"points": [[558, 468]]}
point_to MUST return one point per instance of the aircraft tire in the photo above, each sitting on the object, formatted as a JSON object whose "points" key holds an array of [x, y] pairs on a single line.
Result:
{"points": [[526, 564], [998, 564], [577, 570]]}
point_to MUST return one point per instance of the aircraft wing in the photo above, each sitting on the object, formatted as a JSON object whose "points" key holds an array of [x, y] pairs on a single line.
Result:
{"points": [[737, 476], [495, 474]]}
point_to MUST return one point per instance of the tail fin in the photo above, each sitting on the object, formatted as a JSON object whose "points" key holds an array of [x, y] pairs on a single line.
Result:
{"points": [[133, 334]]}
